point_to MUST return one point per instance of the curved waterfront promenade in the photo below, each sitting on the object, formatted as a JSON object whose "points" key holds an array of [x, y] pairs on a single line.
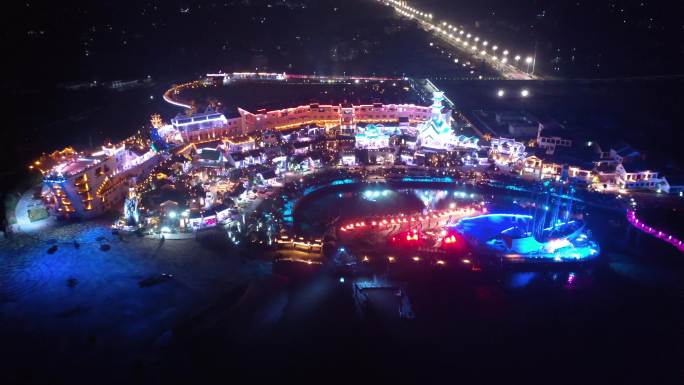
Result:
{"points": [[632, 218]]}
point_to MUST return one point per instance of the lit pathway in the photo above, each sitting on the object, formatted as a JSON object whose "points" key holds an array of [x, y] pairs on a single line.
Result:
{"points": [[632, 218], [476, 48]]}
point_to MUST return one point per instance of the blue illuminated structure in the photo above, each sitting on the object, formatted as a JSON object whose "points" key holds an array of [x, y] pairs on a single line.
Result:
{"points": [[510, 236], [158, 143]]}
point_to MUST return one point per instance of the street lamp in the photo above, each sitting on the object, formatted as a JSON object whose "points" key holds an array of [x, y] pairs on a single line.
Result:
{"points": [[517, 58], [525, 93], [501, 93]]}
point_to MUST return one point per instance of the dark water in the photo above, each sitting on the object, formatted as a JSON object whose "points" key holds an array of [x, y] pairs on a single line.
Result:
{"points": [[277, 95], [313, 216], [50, 119]]}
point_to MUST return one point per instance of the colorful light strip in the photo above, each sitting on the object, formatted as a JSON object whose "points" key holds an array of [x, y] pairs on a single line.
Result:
{"points": [[401, 218], [632, 218]]}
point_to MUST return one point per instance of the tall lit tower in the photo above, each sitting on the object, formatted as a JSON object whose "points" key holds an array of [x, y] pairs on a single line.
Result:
{"points": [[437, 105]]}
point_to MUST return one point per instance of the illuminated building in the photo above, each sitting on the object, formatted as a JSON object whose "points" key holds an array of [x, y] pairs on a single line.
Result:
{"points": [[211, 157], [208, 119], [614, 170], [345, 117], [372, 137], [205, 126], [436, 133], [506, 151], [245, 159], [212, 125], [550, 138], [240, 144], [87, 186], [634, 176]]}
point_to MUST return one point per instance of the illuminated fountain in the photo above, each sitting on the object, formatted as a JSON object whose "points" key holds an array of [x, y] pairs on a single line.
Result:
{"points": [[550, 234]]}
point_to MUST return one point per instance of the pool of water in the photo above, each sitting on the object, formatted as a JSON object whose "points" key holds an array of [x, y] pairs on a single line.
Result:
{"points": [[313, 215]]}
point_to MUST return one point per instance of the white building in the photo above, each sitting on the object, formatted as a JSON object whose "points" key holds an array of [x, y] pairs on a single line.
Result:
{"points": [[505, 150], [550, 138], [436, 134], [372, 137], [637, 177], [87, 186]]}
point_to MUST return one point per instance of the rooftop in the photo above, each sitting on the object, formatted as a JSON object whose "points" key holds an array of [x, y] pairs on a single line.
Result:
{"points": [[210, 154]]}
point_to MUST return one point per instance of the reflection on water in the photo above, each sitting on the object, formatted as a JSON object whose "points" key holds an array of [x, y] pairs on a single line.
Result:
{"points": [[441, 199], [520, 280], [313, 217], [569, 280]]}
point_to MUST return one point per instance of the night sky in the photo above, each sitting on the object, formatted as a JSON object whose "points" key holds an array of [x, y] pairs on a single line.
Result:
{"points": [[81, 41]]}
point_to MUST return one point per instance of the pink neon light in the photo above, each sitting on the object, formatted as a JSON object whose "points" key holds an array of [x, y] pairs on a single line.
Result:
{"points": [[631, 217]]}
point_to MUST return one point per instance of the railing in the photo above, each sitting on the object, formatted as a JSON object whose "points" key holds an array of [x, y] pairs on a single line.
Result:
{"points": [[632, 218]]}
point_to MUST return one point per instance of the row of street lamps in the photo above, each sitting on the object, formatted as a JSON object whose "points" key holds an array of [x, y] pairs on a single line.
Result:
{"points": [[460, 36]]}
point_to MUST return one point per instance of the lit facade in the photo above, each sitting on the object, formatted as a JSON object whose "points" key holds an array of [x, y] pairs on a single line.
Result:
{"points": [[87, 186], [505, 150], [373, 138], [437, 134]]}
